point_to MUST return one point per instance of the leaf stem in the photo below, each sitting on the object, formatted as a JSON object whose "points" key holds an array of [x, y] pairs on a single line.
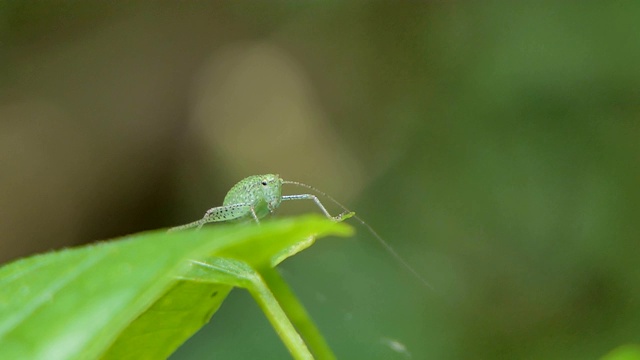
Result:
{"points": [[296, 312], [260, 291]]}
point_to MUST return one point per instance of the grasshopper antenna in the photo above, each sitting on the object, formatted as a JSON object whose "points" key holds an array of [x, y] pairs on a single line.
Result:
{"points": [[382, 242]]}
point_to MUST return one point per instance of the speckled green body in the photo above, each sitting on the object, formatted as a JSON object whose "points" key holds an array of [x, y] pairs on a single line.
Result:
{"points": [[255, 197], [262, 192]]}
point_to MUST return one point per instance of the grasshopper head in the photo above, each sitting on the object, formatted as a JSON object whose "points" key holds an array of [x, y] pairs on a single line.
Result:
{"points": [[271, 185]]}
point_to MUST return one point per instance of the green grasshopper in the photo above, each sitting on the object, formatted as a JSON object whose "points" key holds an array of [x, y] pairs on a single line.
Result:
{"points": [[256, 196]]}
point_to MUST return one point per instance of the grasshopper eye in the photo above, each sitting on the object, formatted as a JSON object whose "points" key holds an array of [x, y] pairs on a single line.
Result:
{"points": [[264, 183]]}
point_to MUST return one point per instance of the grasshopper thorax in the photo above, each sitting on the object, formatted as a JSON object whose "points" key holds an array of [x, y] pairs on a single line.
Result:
{"points": [[262, 192]]}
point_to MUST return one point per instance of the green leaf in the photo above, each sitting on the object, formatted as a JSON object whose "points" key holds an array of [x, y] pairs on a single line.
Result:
{"points": [[133, 297]]}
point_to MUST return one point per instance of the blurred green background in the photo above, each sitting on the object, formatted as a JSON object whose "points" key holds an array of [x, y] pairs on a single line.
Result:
{"points": [[495, 145]]}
